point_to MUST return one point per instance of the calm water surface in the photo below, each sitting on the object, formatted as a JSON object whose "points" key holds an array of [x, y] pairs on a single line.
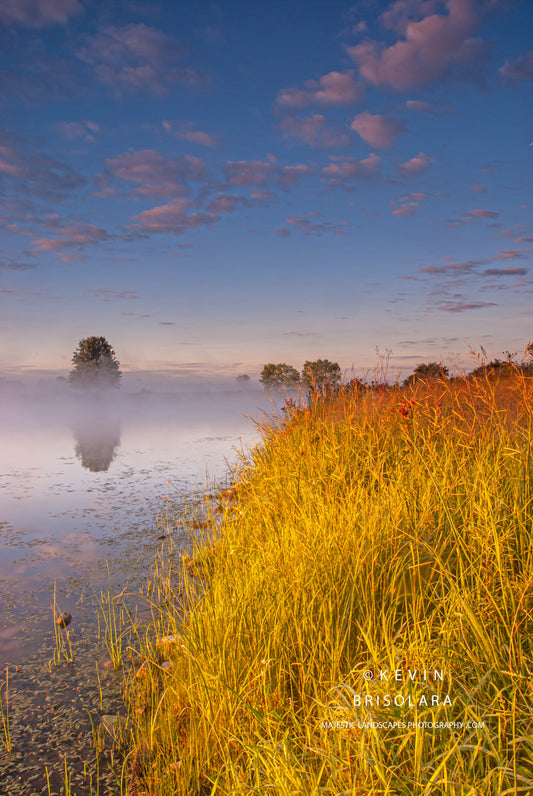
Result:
{"points": [[81, 486]]}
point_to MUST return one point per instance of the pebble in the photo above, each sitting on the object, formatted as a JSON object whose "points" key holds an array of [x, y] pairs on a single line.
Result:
{"points": [[165, 641]]}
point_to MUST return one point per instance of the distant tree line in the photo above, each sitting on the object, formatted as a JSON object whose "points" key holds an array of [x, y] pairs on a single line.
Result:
{"points": [[496, 368], [96, 366], [427, 371], [321, 373], [315, 375]]}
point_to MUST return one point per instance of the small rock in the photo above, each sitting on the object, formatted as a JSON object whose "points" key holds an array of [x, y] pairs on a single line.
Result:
{"points": [[64, 620], [143, 670], [165, 641], [166, 666], [198, 524]]}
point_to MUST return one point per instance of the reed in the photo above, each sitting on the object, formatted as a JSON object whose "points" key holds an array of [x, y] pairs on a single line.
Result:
{"points": [[386, 532], [4, 715], [66, 788], [113, 616], [62, 643]]}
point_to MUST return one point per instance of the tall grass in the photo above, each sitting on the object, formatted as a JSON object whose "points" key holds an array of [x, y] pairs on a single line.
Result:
{"points": [[7, 742], [386, 532]]}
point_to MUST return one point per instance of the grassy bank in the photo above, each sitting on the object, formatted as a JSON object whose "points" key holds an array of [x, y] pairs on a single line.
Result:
{"points": [[386, 532]]}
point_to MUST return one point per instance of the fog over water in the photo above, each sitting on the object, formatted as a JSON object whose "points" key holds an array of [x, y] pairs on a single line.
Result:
{"points": [[82, 479]]}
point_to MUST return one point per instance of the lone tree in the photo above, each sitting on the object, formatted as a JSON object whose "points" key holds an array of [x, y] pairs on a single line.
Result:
{"points": [[280, 375], [95, 365], [426, 371], [321, 373]]}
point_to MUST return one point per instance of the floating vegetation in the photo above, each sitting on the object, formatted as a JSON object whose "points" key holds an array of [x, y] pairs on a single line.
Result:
{"points": [[51, 717]]}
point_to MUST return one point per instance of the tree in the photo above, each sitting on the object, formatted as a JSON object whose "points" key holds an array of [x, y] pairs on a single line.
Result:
{"points": [[279, 375], [426, 371], [321, 373], [95, 365], [242, 377]]}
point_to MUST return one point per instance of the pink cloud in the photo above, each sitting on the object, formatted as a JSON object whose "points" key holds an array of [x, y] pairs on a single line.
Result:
{"points": [[152, 173], [309, 226], [289, 176], [9, 163], [507, 254], [72, 236], [483, 213], [376, 130], [450, 268], [244, 173], [258, 195], [421, 107], [401, 12], [173, 217], [84, 131], [464, 306], [135, 57], [431, 47], [416, 165], [512, 232], [405, 210], [40, 174], [408, 204], [106, 294], [520, 68], [314, 131], [335, 88], [8, 264], [360, 27], [38, 13], [225, 203], [258, 173], [454, 269], [189, 133], [505, 272], [344, 170]]}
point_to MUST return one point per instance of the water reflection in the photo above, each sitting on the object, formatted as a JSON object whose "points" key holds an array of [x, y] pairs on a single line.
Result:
{"points": [[81, 488], [97, 441]]}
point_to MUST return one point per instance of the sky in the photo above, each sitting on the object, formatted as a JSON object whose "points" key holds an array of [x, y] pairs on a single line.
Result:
{"points": [[217, 185]]}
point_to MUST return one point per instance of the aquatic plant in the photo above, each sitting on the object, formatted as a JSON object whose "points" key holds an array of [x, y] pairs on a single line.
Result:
{"points": [[4, 715], [62, 643]]}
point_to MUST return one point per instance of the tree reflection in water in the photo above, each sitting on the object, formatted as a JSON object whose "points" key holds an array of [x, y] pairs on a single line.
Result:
{"points": [[97, 441]]}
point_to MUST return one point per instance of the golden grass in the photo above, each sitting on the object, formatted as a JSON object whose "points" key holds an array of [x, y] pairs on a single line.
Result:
{"points": [[387, 530]]}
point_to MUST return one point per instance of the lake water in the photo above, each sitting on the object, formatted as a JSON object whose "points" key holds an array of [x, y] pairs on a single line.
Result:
{"points": [[84, 487], [81, 486]]}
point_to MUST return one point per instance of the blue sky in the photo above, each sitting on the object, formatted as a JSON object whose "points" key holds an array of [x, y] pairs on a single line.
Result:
{"points": [[214, 186]]}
